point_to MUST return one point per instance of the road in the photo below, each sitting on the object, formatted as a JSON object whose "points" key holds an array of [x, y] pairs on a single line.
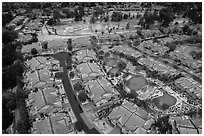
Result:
{"points": [[62, 57]]}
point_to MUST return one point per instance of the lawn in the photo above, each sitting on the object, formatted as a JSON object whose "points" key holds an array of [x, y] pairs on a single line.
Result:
{"points": [[165, 101], [136, 82]]}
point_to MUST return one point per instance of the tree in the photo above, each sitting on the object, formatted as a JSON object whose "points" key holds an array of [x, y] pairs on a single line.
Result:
{"points": [[116, 16], [106, 18], [171, 46], [58, 75], [69, 66], [9, 54], [7, 118], [121, 54], [192, 53], [165, 17], [78, 12], [18, 67], [82, 96], [71, 74], [121, 65], [79, 126], [198, 55], [125, 16], [148, 19], [68, 12], [6, 17], [163, 125], [117, 41], [69, 43], [52, 22], [8, 100], [107, 54], [186, 29], [127, 26], [110, 30], [101, 52], [44, 45], [34, 51], [92, 20], [122, 36], [78, 87], [8, 35], [194, 12], [139, 32]]}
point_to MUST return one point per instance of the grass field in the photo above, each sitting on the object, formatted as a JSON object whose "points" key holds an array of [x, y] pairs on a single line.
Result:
{"points": [[135, 83], [165, 101]]}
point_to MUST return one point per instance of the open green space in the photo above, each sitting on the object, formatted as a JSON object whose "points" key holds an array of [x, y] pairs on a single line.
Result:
{"points": [[165, 101], [136, 82]]}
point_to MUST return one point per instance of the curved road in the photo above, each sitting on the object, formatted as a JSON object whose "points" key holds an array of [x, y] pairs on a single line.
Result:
{"points": [[62, 57]]}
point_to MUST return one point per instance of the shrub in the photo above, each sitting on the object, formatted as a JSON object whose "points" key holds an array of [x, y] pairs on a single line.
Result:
{"points": [[34, 51]]}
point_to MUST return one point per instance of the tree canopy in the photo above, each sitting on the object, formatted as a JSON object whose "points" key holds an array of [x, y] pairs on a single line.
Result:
{"points": [[121, 65], [165, 16], [82, 96], [79, 126], [44, 45], [117, 16], [78, 86], [34, 51], [8, 35]]}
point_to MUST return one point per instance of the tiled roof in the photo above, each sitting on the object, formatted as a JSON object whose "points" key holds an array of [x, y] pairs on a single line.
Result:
{"points": [[96, 90], [46, 106], [42, 127], [130, 106], [143, 114], [187, 130], [140, 131], [133, 122], [120, 112]]}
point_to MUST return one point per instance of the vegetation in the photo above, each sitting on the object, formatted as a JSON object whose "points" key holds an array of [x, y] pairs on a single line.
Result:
{"points": [[163, 125], [12, 72], [117, 16], [44, 45], [23, 124], [171, 46], [34, 51], [13, 96], [121, 65], [165, 17], [148, 19], [79, 126], [69, 43], [82, 96], [78, 86]]}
